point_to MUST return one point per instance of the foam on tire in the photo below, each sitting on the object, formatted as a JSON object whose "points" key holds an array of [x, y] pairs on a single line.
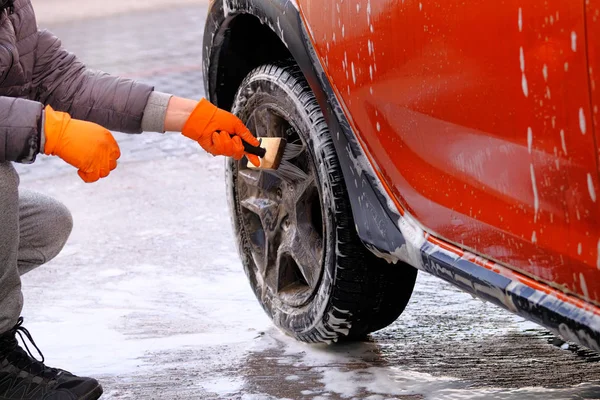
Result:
{"points": [[359, 293]]}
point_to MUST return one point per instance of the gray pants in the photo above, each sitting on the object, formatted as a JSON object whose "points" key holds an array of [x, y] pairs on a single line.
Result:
{"points": [[33, 230]]}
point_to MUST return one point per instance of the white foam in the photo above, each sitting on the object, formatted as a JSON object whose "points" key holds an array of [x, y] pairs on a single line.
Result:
{"points": [[583, 285], [520, 20], [591, 188], [545, 72], [582, 123], [536, 199], [522, 59]]}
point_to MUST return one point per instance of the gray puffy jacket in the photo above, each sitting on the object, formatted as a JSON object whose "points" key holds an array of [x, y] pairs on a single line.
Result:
{"points": [[36, 71]]}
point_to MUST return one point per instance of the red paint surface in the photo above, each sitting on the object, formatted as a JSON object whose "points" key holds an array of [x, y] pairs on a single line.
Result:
{"points": [[592, 12], [435, 92]]}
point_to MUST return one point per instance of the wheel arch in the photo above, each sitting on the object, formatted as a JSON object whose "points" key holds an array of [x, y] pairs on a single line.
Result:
{"points": [[241, 35], [268, 30], [237, 53]]}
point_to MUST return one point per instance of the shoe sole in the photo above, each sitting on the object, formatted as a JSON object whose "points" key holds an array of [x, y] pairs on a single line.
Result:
{"points": [[93, 394]]}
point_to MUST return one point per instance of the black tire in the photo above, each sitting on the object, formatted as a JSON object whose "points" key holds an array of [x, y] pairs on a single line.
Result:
{"points": [[351, 292]]}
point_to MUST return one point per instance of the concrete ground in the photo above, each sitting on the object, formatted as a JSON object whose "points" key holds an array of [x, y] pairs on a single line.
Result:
{"points": [[149, 295]]}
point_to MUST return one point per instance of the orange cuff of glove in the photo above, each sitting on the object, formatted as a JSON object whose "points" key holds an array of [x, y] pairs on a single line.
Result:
{"points": [[199, 120], [54, 123]]}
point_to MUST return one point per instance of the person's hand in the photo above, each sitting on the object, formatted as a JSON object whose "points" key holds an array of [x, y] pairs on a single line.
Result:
{"points": [[87, 146], [219, 132]]}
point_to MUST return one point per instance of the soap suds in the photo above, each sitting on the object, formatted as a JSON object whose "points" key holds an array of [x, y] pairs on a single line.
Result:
{"points": [[591, 187], [584, 288], [520, 20], [582, 124], [536, 199]]}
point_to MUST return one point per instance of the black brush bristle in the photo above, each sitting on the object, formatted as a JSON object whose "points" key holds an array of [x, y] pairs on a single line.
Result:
{"points": [[292, 150], [290, 172]]}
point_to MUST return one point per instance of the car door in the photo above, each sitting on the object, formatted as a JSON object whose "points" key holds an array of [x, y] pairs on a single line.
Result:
{"points": [[478, 117]]}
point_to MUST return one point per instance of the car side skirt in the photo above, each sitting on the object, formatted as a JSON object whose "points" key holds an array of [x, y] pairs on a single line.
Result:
{"points": [[387, 230]]}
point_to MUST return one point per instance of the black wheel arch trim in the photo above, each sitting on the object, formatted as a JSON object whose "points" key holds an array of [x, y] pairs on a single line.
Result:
{"points": [[379, 224]]}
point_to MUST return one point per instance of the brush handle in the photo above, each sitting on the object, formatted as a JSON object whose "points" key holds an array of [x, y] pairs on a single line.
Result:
{"points": [[256, 150]]}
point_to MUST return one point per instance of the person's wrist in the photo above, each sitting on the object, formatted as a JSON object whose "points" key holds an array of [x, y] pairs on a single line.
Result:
{"points": [[178, 113]]}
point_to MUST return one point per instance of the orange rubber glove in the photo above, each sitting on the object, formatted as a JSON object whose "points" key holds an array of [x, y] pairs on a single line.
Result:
{"points": [[219, 132], [87, 146]]}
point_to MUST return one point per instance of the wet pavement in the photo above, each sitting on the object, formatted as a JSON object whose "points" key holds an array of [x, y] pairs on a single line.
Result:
{"points": [[149, 295]]}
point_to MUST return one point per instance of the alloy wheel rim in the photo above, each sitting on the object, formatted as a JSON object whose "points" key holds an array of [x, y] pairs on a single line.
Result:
{"points": [[282, 217]]}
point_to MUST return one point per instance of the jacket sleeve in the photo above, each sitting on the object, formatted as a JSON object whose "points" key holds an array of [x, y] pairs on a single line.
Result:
{"points": [[20, 127], [63, 82]]}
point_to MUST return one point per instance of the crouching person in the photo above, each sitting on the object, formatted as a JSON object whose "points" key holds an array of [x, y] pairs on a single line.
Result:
{"points": [[51, 103]]}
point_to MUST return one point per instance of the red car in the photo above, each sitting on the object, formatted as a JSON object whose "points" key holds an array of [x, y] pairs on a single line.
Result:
{"points": [[455, 138]]}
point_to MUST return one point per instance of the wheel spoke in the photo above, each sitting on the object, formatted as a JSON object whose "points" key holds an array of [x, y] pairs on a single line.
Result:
{"points": [[258, 179], [250, 177], [260, 122], [271, 274], [301, 188], [306, 251], [265, 249], [266, 123], [251, 124], [266, 209]]}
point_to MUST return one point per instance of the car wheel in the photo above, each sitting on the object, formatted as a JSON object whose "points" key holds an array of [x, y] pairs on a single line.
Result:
{"points": [[296, 235]]}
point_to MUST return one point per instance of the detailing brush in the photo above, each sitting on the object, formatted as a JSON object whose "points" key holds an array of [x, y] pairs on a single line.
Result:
{"points": [[275, 153]]}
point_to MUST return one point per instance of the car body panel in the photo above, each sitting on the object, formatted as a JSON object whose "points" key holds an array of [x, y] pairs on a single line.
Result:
{"points": [[387, 228], [478, 118], [592, 12]]}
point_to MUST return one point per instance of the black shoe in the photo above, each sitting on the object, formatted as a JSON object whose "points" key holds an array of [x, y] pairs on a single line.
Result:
{"points": [[23, 377]]}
